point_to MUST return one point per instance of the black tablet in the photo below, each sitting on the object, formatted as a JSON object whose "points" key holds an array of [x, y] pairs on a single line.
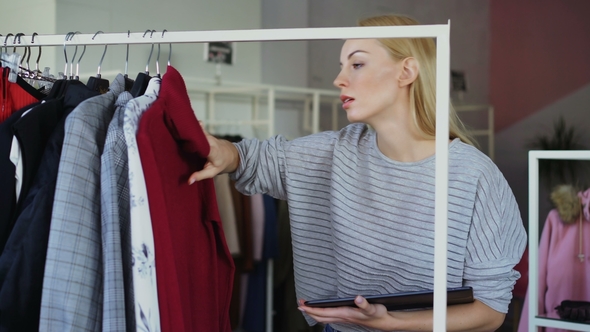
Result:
{"points": [[401, 301]]}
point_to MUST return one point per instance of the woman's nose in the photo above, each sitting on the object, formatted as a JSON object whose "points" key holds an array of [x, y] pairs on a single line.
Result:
{"points": [[340, 80]]}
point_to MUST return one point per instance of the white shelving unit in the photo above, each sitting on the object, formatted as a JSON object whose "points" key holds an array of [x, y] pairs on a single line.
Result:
{"points": [[534, 319], [489, 131], [269, 95]]}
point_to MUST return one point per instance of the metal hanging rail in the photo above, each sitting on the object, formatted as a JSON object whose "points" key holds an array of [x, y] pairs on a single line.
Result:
{"points": [[440, 32], [254, 35]]}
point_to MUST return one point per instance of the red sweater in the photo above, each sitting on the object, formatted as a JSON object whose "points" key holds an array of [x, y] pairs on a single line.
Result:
{"points": [[12, 96], [194, 267]]}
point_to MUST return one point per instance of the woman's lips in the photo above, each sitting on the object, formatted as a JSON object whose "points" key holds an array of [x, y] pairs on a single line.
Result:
{"points": [[346, 101]]}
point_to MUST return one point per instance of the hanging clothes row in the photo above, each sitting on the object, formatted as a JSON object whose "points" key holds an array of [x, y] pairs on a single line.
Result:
{"points": [[101, 233]]}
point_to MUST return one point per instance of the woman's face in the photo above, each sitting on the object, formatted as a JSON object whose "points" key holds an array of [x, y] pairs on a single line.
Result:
{"points": [[368, 81]]}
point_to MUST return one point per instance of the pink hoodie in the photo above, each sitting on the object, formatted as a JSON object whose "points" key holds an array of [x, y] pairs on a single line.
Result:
{"points": [[562, 276]]}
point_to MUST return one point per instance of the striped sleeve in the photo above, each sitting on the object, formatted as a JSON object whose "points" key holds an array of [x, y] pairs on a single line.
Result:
{"points": [[495, 244], [261, 168], [263, 164]]}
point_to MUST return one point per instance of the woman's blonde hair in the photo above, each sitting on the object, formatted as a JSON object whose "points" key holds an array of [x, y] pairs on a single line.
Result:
{"points": [[423, 90]]}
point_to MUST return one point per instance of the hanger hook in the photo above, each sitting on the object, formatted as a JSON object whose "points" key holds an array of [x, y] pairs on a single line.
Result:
{"points": [[5, 40], [39, 56], [78, 63], [147, 66], [27, 54], [158, 57], [14, 41], [127, 54], [103, 54], [72, 34], [18, 35], [66, 54], [170, 52]]}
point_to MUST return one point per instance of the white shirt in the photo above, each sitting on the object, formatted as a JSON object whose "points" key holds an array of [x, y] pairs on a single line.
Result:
{"points": [[142, 236]]}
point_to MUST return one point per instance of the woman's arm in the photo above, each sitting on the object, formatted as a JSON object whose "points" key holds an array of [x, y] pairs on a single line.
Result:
{"points": [[257, 166], [474, 316]]}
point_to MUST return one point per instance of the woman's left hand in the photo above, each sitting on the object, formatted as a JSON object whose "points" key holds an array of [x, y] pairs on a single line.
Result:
{"points": [[365, 314]]}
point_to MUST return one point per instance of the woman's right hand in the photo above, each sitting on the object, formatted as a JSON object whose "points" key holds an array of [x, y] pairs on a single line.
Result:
{"points": [[223, 158]]}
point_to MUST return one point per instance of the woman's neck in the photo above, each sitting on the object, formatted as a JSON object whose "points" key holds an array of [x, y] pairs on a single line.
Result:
{"points": [[398, 136], [400, 146]]}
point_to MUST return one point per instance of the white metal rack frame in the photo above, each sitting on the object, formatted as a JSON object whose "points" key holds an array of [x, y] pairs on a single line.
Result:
{"points": [[440, 32], [534, 319]]}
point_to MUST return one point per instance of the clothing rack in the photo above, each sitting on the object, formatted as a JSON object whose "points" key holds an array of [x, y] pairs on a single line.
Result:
{"points": [[441, 32], [534, 319]]}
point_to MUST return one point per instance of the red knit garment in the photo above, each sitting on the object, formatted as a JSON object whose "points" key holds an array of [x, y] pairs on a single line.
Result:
{"points": [[12, 97], [194, 267]]}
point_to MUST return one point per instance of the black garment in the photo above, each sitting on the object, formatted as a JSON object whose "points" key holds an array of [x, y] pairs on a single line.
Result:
{"points": [[32, 132], [7, 180], [22, 263]]}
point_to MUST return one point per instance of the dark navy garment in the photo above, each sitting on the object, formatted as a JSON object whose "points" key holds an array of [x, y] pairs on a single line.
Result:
{"points": [[255, 312], [22, 264], [7, 180], [328, 328]]}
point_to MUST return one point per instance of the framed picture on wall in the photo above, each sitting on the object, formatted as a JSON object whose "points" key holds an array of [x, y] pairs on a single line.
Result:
{"points": [[219, 52]]}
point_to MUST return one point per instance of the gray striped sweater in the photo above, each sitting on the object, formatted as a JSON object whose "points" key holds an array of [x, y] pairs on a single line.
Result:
{"points": [[362, 223]]}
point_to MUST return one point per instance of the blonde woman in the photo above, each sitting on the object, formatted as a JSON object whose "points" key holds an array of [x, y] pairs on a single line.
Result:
{"points": [[361, 199]]}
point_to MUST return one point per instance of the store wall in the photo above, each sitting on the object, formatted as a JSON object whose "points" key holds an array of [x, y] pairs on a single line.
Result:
{"points": [[39, 17], [179, 15], [539, 71], [284, 63], [62, 16]]}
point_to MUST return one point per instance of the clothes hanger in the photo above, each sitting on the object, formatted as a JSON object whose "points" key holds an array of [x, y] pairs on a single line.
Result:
{"points": [[70, 76], [44, 83], [24, 73], [17, 38], [59, 87], [38, 73], [10, 61], [143, 79], [98, 83], [17, 71], [158, 58], [128, 82], [77, 77], [5, 53]]}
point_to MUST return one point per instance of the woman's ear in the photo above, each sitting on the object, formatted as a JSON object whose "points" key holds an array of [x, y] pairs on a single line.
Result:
{"points": [[409, 74]]}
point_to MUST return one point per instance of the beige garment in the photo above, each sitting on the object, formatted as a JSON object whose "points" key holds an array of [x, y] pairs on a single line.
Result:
{"points": [[227, 212]]}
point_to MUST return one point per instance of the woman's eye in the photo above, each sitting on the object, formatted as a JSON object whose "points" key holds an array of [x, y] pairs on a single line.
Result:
{"points": [[357, 65]]}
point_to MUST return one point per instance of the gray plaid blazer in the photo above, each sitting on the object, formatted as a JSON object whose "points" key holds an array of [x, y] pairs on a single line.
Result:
{"points": [[118, 309], [73, 282]]}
